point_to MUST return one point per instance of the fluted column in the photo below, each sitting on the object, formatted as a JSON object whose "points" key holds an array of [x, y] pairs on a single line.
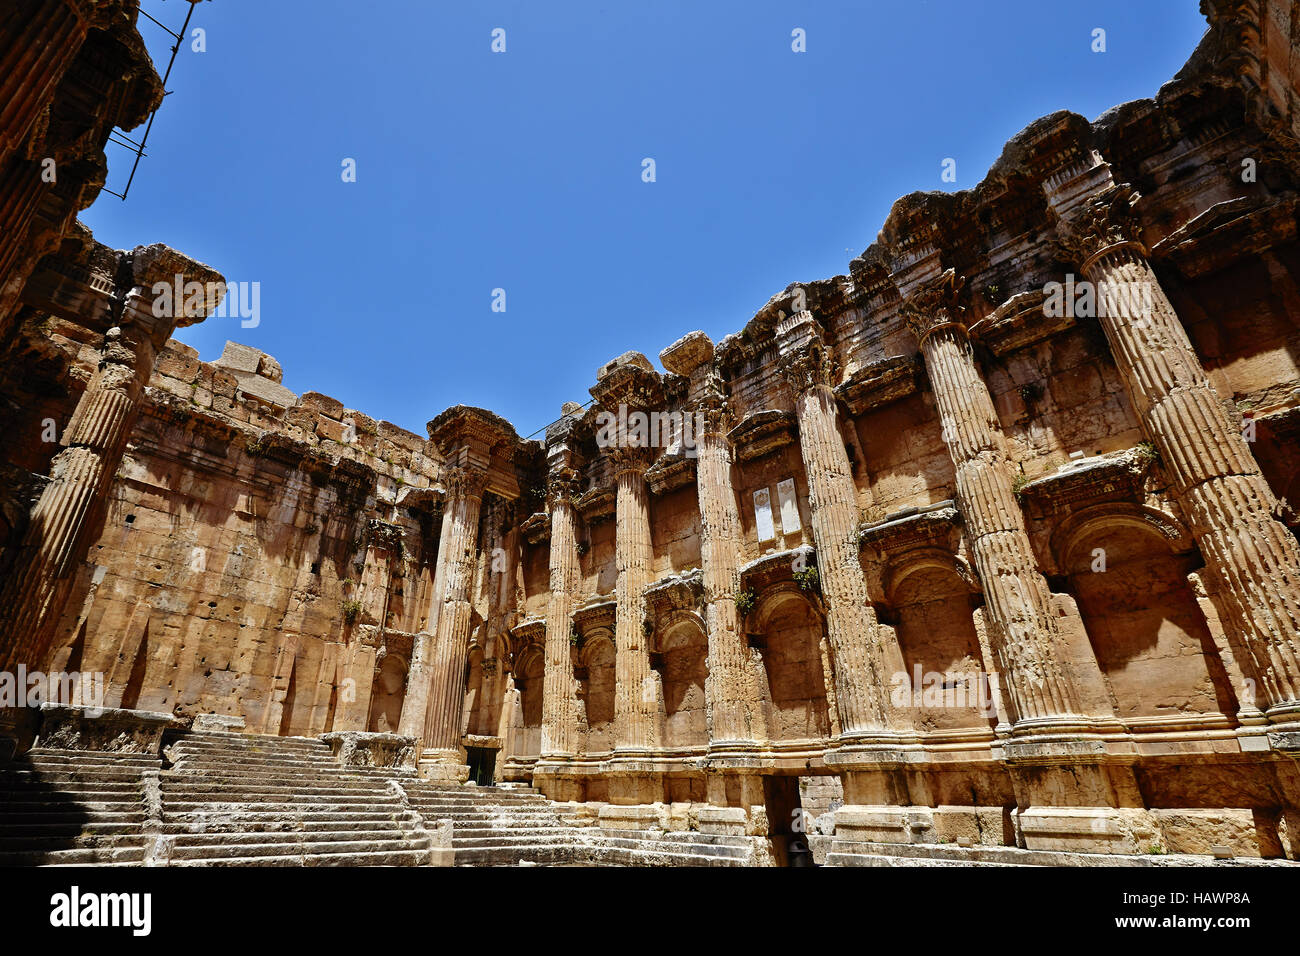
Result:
{"points": [[419, 673], [635, 695], [851, 624], [71, 502], [451, 646], [560, 687], [469, 439], [1252, 558], [51, 35], [735, 712], [1019, 610]]}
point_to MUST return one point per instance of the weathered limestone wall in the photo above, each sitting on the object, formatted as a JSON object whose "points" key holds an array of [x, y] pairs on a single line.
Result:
{"points": [[993, 537]]}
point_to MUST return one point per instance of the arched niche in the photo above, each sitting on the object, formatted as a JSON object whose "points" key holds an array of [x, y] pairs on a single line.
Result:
{"points": [[945, 684], [791, 633], [1128, 570], [596, 686], [684, 647], [387, 694]]}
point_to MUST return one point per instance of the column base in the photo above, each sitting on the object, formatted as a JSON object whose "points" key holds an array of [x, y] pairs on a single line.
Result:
{"points": [[558, 780], [443, 766]]}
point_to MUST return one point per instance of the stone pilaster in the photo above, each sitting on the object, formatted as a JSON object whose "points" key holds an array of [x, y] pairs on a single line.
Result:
{"points": [[736, 722], [1251, 558], [1020, 615], [854, 633]]}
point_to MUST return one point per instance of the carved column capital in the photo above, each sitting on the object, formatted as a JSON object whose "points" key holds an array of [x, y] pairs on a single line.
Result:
{"points": [[1100, 224], [935, 305], [804, 360], [462, 481], [562, 485]]}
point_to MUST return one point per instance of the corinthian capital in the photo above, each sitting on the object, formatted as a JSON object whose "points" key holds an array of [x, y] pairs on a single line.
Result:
{"points": [[1101, 222], [462, 481], [562, 484], [803, 357], [935, 304]]}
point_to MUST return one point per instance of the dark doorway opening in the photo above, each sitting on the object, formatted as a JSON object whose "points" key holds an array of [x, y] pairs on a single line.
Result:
{"points": [[482, 764], [785, 821]]}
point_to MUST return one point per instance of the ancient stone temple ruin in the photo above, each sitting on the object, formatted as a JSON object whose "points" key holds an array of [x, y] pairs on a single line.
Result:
{"points": [[983, 551]]}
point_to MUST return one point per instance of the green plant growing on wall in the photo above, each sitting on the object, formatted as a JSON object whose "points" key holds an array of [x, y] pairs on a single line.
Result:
{"points": [[808, 579], [1018, 486], [351, 608], [575, 639], [745, 602]]}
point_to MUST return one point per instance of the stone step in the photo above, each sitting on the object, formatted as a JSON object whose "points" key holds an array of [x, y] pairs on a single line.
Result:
{"points": [[32, 843], [18, 829], [69, 815], [721, 851], [60, 777], [512, 839], [88, 756], [68, 806], [512, 855], [404, 857], [270, 742], [197, 786], [79, 856], [215, 852], [309, 838], [172, 807]]}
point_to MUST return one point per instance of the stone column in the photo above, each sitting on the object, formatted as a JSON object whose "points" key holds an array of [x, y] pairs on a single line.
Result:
{"points": [[627, 389], [467, 439], [33, 63], [560, 688], [1019, 602], [415, 703], [635, 696], [860, 684], [1251, 558], [71, 503], [736, 722]]}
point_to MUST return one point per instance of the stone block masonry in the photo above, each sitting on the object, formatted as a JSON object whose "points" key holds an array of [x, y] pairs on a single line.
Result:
{"points": [[983, 551]]}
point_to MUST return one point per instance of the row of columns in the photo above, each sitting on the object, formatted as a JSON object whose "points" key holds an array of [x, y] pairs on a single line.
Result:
{"points": [[1251, 556]]}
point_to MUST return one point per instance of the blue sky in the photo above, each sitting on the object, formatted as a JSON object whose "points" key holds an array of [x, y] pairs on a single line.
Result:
{"points": [[522, 170]]}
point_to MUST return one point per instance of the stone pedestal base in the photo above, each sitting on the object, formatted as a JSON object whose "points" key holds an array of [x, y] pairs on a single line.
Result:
{"points": [[557, 781], [103, 730], [443, 766], [880, 824], [640, 817], [726, 821], [1088, 829], [353, 748]]}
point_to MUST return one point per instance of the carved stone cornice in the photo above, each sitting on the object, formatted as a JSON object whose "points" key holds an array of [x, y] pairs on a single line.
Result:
{"points": [[598, 612], [935, 526], [879, 384], [670, 472], [680, 592], [536, 528], [630, 386], [1120, 476], [1228, 232], [596, 503], [1019, 322], [761, 433]]}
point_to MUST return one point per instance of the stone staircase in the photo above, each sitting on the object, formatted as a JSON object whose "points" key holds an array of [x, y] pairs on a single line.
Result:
{"points": [[243, 800], [233, 799], [64, 807]]}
